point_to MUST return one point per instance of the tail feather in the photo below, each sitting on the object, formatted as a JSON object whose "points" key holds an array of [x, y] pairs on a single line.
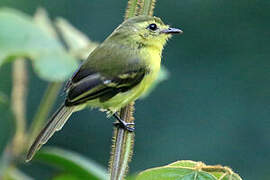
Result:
{"points": [[55, 123]]}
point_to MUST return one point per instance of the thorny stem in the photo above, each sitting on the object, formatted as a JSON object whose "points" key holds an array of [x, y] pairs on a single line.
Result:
{"points": [[18, 101], [147, 7], [123, 140], [132, 8], [122, 149]]}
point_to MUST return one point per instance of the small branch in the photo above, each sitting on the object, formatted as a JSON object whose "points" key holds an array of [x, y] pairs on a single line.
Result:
{"points": [[122, 148], [123, 141], [132, 8], [18, 101], [44, 109], [148, 7]]}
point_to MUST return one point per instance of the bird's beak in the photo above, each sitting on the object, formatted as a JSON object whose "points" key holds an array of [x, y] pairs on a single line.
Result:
{"points": [[172, 31]]}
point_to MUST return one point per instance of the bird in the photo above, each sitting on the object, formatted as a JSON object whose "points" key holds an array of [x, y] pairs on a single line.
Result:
{"points": [[117, 72]]}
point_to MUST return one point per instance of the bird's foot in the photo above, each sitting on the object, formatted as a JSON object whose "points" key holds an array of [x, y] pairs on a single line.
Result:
{"points": [[122, 124]]}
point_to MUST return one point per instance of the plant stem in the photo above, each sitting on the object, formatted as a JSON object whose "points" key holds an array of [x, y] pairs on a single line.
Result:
{"points": [[123, 141], [18, 101], [148, 7], [132, 8], [44, 109], [122, 146]]}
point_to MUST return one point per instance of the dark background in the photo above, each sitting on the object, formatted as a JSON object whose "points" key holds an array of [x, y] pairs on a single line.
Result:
{"points": [[215, 107]]}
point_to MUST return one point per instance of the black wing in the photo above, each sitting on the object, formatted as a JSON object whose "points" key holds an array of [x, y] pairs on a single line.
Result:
{"points": [[89, 85]]}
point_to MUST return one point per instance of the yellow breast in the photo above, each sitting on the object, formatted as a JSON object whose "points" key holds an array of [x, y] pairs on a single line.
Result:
{"points": [[152, 59]]}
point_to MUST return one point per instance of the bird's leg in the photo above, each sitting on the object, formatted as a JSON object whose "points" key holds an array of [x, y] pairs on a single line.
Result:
{"points": [[123, 124]]}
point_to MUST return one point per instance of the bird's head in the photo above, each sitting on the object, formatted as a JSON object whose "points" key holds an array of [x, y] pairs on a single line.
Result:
{"points": [[145, 31]]}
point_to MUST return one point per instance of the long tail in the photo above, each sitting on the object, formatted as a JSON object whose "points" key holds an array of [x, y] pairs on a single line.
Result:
{"points": [[55, 123]]}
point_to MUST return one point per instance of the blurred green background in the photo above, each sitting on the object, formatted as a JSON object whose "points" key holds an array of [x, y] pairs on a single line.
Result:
{"points": [[215, 106]]}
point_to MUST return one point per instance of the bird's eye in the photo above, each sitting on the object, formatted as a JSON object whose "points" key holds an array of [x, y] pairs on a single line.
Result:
{"points": [[153, 27]]}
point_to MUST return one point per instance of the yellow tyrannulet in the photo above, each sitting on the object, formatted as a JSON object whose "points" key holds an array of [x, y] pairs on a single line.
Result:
{"points": [[116, 73]]}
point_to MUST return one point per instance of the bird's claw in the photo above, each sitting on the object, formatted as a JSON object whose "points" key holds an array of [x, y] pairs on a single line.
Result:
{"points": [[124, 125]]}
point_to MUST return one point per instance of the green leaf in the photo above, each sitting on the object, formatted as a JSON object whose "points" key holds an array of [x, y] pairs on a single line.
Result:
{"points": [[30, 41], [20, 36], [42, 19], [189, 170], [78, 43], [74, 164], [56, 66], [66, 177]]}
